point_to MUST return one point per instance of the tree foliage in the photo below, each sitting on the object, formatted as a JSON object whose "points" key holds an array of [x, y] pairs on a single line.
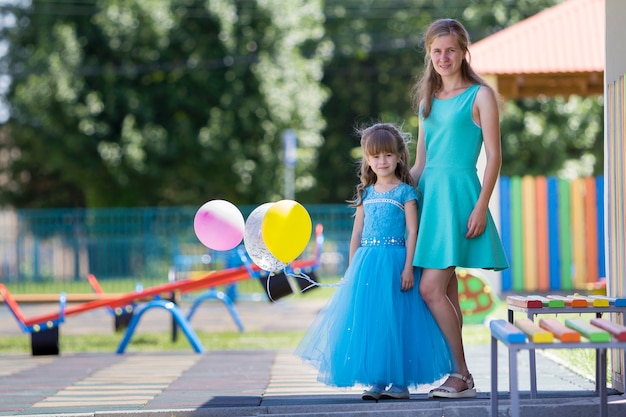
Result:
{"points": [[378, 55], [175, 102], [160, 102], [559, 136]]}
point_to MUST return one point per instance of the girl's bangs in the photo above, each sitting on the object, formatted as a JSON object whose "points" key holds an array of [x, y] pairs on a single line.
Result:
{"points": [[379, 142]]}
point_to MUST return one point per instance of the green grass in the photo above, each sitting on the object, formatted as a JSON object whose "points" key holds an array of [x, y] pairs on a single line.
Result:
{"points": [[125, 285]]}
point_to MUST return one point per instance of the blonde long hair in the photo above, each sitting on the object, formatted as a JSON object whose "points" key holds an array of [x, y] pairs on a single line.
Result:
{"points": [[377, 139], [430, 83]]}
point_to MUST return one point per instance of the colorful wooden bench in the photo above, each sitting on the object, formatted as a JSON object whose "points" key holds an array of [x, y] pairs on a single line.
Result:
{"points": [[535, 305], [599, 334], [550, 333]]}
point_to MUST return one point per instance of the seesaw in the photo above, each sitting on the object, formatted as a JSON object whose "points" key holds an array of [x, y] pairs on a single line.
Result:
{"points": [[44, 328]]}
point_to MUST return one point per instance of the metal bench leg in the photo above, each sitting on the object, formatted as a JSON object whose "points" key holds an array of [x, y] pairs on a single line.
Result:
{"points": [[494, 377], [515, 400], [533, 373], [604, 407], [532, 359]]}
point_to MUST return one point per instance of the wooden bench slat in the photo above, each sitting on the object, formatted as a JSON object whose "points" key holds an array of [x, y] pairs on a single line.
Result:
{"points": [[595, 302], [617, 330], [507, 332], [560, 331], [594, 334], [534, 332], [571, 301], [617, 302], [548, 302], [524, 302]]}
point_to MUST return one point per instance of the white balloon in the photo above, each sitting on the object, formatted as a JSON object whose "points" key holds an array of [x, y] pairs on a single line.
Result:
{"points": [[254, 244]]}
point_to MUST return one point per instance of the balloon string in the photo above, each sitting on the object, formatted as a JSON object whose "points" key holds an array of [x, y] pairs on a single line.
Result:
{"points": [[269, 293], [302, 275], [267, 288], [312, 282]]}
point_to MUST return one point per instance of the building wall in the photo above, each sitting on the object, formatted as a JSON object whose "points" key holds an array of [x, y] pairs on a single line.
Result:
{"points": [[615, 151]]}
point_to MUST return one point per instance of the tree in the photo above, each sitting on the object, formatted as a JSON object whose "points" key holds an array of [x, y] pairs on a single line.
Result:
{"points": [[159, 102], [175, 102], [379, 53], [544, 136]]}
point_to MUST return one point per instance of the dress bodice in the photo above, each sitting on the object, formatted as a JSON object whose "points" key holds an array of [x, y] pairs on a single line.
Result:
{"points": [[451, 137], [384, 222]]}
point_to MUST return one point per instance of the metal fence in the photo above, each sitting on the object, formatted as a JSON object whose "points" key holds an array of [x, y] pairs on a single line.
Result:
{"points": [[63, 246], [552, 231]]}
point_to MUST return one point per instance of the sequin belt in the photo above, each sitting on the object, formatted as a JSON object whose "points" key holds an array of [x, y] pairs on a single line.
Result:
{"points": [[383, 241]]}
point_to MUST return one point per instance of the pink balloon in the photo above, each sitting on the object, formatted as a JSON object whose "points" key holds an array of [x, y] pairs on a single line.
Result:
{"points": [[219, 225]]}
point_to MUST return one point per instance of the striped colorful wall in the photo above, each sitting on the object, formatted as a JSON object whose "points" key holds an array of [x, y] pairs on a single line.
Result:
{"points": [[553, 233]]}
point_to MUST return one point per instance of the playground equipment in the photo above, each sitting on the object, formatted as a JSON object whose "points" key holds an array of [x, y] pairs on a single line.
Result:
{"points": [[121, 315], [476, 299], [44, 328]]}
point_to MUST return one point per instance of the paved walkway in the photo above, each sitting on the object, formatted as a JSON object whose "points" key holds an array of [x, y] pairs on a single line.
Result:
{"points": [[245, 383]]}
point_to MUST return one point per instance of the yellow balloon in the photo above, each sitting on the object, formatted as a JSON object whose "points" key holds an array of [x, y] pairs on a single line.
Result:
{"points": [[286, 229]]}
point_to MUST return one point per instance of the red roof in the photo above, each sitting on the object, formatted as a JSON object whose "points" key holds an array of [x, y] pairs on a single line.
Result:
{"points": [[566, 38]]}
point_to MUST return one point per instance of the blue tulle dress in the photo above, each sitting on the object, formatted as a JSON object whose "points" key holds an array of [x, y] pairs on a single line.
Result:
{"points": [[371, 332]]}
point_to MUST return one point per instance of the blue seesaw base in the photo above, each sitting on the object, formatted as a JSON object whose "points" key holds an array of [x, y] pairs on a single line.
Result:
{"points": [[182, 322]]}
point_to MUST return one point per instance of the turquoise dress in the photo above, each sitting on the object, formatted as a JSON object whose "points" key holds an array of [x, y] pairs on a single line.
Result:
{"points": [[449, 188], [371, 332]]}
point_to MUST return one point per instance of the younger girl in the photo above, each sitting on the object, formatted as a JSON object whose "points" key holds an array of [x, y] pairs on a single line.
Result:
{"points": [[375, 329]]}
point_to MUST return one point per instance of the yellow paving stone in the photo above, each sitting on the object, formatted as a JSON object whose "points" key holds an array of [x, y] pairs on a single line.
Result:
{"points": [[109, 388], [105, 392], [94, 403], [100, 398]]}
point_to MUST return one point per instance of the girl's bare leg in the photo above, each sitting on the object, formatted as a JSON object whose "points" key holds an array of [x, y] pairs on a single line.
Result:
{"points": [[435, 286]]}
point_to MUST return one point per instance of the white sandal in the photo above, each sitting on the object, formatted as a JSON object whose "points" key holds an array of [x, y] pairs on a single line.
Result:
{"points": [[373, 394], [449, 392]]}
